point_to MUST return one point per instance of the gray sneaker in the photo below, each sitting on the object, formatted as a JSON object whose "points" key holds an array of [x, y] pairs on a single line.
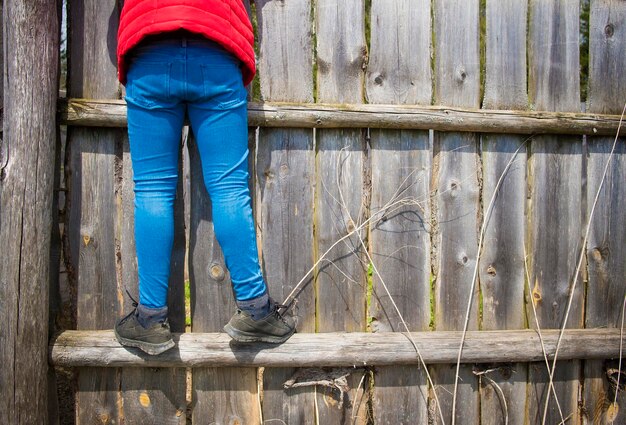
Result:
{"points": [[274, 328], [153, 340]]}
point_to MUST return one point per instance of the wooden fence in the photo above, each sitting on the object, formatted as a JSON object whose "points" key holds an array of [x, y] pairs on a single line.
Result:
{"points": [[434, 171]]}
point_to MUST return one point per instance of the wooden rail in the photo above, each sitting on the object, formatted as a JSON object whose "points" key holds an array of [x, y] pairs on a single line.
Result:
{"points": [[112, 113], [100, 349]]}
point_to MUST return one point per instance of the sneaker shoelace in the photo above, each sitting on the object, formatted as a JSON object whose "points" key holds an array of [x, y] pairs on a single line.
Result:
{"points": [[135, 304], [276, 310]]}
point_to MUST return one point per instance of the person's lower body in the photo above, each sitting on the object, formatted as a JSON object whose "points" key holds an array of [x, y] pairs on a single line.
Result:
{"points": [[166, 80]]}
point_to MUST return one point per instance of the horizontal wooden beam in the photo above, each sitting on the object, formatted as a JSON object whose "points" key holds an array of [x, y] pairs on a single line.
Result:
{"points": [[84, 112], [100, 349]]}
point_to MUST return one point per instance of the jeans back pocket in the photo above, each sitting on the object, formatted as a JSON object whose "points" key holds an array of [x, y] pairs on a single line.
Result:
{"points": [[148, 83], [223, 86]]}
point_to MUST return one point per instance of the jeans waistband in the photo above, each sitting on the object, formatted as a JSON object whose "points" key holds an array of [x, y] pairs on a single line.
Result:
{"points": [[180, 38], [175, 43]]}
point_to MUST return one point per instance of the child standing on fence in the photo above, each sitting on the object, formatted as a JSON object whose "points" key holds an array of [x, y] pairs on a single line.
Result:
{"points": [[191, 57]]}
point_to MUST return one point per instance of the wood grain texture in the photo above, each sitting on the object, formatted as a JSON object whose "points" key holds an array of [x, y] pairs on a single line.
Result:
{"points": [[94, 158], [607, 237], [340, 201], [219, 395], [456, 203], [399, 73], [401, 253], [27, 159], [501, 269], [457, 64], [112, 113], [341, 50], [100, 348], [401, 235], [505, 55], [285, 167], [285, 50], [286, 184], [555, 219]]}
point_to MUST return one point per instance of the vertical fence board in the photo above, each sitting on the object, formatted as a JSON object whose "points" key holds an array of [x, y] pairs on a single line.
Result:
{"points": [[286, 184], [155, 395], [27, 174], [220, 395], [607, 237], [456, 204], [92, 201], [341, 204], [401, 253], [554, 227], [399, 72], [501, 269]]}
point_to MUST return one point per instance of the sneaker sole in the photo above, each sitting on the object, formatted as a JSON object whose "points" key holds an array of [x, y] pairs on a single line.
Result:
{"points": [[146, 347], [241, 336]]}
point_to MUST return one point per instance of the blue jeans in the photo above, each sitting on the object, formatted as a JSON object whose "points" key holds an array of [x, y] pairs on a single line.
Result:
{"points": [[166, 79]]}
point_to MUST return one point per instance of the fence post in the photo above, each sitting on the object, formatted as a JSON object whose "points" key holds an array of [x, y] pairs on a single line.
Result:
{"points": [[26, 184]]}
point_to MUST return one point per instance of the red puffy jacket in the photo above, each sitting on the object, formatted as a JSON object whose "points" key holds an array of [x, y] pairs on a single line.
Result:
{"points": [[223, 21]]}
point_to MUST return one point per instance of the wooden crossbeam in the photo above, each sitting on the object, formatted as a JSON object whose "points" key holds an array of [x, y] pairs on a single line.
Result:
{"points": [[112, 113], [100, 349]]}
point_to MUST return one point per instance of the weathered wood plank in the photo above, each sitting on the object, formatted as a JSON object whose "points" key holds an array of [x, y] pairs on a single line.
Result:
{"points": [[555, 197], [501, 269], [285, 50], [155, 395], [27, 159], [285, 188], [100, 348], [226, 395], [607, 237], [456, 203], [399, 72], [401, 253], [92, 229], [286, 184], [112, 113], [341, 204]]}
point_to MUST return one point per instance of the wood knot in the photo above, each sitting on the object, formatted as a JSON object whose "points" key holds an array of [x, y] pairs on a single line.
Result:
{"points": [[217, 272], [350, 226], [284, 170], [453, 188], [609, 30], [463, 259], [104, 418], [596, 254], [611, 412], [144, 399], [491, 270], [600, 254], [379, 80], [536, 293], [461, 74]]}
